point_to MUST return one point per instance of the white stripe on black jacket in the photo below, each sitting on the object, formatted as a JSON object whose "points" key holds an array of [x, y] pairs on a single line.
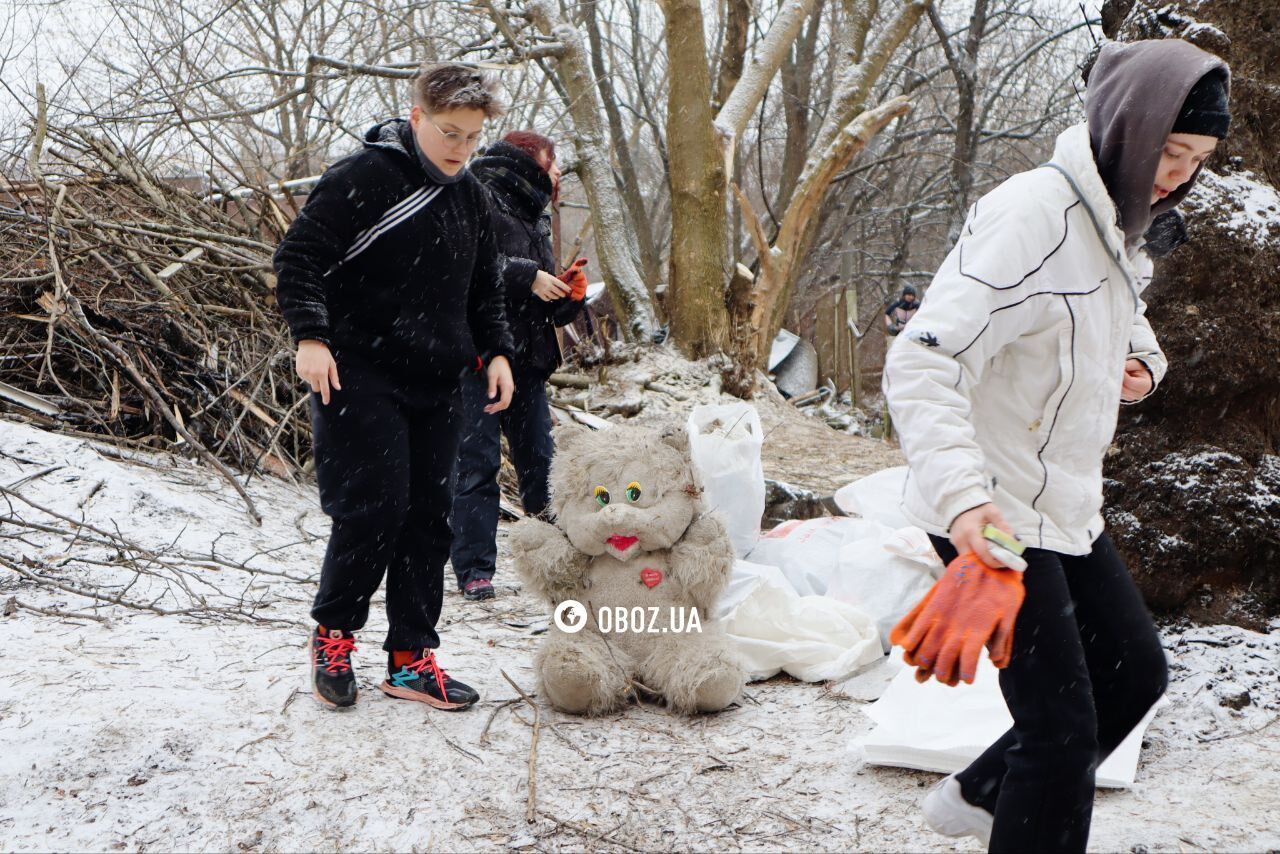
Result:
{"points": [[1005, 386], [393, 270]]}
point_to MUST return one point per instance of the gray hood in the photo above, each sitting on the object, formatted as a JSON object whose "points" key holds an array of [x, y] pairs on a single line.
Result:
{"points": [[1136, 90]]}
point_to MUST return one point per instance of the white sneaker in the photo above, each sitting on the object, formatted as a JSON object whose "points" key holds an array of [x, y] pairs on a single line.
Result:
{"points": [[947, 812]]}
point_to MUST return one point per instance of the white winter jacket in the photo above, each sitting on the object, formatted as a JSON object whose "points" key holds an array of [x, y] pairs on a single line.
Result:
{"points": [[1005, 386]]}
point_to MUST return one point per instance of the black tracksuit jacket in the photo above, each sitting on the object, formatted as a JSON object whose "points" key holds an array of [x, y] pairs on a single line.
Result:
{"points": [[395, 272]]}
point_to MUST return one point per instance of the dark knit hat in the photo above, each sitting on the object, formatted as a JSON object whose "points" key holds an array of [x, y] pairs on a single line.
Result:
{"points": [[1205, 111]]}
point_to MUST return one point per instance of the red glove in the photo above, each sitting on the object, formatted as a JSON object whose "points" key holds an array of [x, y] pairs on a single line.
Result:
{"points": [[575, 279], [971, 606]]}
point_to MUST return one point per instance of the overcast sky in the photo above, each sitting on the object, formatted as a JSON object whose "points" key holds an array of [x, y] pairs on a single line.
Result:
{"points": [[44, 39]]}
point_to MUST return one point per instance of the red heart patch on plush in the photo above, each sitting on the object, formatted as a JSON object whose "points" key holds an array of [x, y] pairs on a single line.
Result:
{"points": [[650, 577]]}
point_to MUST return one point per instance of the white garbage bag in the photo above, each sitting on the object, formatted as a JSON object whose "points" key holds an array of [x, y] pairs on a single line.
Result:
{"points": [[773, 628], [807, 551], [885, 572], [724, 443], [877, 496], [931, 727], [881, 571]]}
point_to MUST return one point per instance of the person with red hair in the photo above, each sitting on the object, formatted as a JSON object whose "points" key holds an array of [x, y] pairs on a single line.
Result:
{"points": [[522, 178], [542, 150]]}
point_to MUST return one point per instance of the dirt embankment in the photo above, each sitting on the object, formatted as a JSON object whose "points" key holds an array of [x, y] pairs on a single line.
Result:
{"points": [[1193, 482]]}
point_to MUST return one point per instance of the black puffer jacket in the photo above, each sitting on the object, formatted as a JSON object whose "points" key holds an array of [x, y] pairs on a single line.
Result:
{"points": [[393, 270], [521, 191]]}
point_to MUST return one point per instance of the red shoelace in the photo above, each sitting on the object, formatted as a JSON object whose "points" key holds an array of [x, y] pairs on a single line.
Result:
{"points": [[428, 661], [337, 652]]}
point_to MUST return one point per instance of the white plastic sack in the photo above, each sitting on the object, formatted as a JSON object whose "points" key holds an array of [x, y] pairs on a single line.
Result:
{"points": [[724, 443], [880, 571], [931, 727], [877, 496], [813, 638], [807, 551], [885, 572]]}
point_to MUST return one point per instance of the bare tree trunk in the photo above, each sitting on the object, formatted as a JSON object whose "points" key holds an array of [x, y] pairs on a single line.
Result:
{"points": [[853, 41], [843, 116], [964, 67], [797, 86], [746, 95], [733, 53], [699, 216], [650, 258], [622, 277], [781, 263], [855, 83]]}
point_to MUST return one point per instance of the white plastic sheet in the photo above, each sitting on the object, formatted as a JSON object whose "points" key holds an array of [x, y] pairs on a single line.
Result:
{"points": [[881, 571], [774, 628], [724, 443], [931, 727]]}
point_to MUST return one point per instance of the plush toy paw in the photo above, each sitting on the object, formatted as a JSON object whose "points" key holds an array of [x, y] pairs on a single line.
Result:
{"points": [[531, 535], [707, 530], [545, 561]]}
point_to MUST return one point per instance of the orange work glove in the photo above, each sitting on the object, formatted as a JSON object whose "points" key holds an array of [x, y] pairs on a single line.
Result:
{"points": [[971, 606], [576, 279]]}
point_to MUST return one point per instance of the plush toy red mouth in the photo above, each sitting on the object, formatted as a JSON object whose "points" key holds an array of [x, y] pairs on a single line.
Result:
{"points": [[622, 543]]}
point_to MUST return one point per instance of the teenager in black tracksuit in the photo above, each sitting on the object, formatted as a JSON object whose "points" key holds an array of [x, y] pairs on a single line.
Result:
{"points": [[390, 282], [520, 174]]}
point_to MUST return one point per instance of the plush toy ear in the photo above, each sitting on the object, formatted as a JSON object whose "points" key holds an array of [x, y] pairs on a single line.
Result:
{"points": [[677, 437], [569, 436]]}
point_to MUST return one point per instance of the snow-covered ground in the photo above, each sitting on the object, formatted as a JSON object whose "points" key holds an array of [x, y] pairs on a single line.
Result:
{"points": [[193, 732]]}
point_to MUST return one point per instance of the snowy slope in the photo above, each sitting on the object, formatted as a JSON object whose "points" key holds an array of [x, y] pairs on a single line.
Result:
{"points": [[189, 731], [1245, 204]]}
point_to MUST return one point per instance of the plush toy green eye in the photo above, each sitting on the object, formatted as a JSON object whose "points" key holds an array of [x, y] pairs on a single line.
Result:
{"points": [[602, 496], [633, 492]]}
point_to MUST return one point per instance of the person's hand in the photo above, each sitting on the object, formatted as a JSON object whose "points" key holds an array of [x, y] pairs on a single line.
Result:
{"points": [[576, 279], [966, 532], [547, 287], [971, 606], [315, 365], [501, 385], [1137, 381]]}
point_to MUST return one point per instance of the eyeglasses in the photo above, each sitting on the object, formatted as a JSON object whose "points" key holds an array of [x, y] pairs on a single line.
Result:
{"points": [[454, 139]]}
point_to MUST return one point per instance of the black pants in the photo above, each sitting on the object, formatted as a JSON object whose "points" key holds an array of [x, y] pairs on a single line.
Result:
{"points": [[384, 457], [1087, 666], [527, 425]]}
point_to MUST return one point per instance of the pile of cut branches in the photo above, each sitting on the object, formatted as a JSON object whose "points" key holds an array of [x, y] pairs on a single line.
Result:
{"points": [[143, 312]]}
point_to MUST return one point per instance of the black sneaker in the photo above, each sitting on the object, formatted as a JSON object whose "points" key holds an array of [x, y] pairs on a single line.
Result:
{"points": [[332, 679], [425, 681], [478, 590]]}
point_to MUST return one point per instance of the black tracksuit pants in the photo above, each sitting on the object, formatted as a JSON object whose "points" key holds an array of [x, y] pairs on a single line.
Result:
{"points": [[384, 458], [527, 425], [1087, 666]]}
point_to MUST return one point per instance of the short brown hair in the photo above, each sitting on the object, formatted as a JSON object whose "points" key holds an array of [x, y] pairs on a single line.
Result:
{"points": [[443, 86]]}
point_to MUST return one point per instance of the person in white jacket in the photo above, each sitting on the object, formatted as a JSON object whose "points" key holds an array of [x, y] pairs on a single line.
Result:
{"points": [[1005, 389]]}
